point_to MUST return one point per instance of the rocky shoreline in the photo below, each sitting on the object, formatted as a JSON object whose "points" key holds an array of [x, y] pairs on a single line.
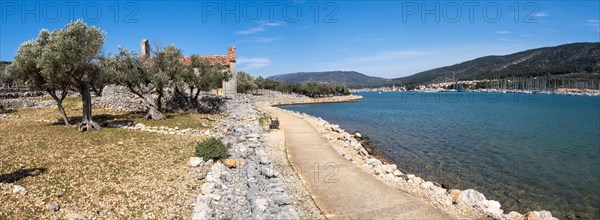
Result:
{"points": [[281, 99], [468, 203]]}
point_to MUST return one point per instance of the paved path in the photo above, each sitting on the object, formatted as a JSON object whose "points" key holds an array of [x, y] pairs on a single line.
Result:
{"points": [[342, 190]]}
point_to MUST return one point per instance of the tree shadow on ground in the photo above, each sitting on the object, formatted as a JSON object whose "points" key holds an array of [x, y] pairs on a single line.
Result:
{"points": [[6, 111], [102, 119], [20, 174]]}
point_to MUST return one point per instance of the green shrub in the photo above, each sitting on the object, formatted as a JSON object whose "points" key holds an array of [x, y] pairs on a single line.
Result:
{"points": [[211, 148]]}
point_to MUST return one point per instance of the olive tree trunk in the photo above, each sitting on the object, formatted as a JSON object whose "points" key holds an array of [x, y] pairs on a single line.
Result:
{"points": [[59, 101], [153, 108], [87, 123]]}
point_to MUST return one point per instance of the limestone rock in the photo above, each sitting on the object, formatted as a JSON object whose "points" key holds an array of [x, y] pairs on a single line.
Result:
{"points": [[492, 208], [539, 215], [208, 188], [195, 161], [389, 168], [374, 162], [268, 172], [231, 163], [398, 173], [19, 189], [471, 196], [438, 190], [454, 195], [74, 216], [426, 185], [513, 216], [53, 206], [358, 135], [282, 199]]}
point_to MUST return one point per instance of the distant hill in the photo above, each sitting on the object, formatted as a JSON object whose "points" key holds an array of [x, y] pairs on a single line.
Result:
{"points": [[350, 79], [564, 59]]}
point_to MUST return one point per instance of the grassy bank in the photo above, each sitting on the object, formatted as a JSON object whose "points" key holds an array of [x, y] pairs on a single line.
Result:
{"points": [[111, 173]]}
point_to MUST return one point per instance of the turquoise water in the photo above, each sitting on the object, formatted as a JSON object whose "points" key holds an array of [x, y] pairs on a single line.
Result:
{"points": [[530, 152]]}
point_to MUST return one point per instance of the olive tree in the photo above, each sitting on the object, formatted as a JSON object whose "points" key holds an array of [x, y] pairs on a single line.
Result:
{"points": [[202, 75], [245, 82], [130, 70], [72, 55], [26, 67]]}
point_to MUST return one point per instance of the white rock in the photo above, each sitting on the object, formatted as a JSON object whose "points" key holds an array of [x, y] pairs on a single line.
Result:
{"points": [[358, 135], [208, 188], [398, 173], [410, 176], [541, 215], [389, 168], [471, 196], [492, 208], [417, 180], [438, 190], [513, 216], [374, 162], [19, 189], [426, 185], [195, 161], [74, 216]]}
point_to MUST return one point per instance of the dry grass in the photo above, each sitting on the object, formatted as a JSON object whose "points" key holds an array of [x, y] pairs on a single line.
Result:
{"points": [[107, 174]]}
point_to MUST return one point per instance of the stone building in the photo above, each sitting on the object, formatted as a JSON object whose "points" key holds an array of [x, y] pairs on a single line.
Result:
{"points": [[228, 88]]}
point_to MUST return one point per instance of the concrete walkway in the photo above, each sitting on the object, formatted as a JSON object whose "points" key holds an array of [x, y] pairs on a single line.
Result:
{"points": [[340, 189]]}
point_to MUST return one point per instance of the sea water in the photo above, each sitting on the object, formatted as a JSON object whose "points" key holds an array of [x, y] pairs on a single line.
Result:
{"points": [[527, 151]]}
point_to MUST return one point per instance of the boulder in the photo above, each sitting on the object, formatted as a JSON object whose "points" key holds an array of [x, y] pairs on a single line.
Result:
{"points": [[539, 215], [398, 173], [269, 172], [374, 162], [358, 135], [282, 199], [417, 180], [438, 190], [513, 216], [195, 161], [471, 196], [231, 163], [492, 208], [388, 168], [426, 185], [454, 195]]}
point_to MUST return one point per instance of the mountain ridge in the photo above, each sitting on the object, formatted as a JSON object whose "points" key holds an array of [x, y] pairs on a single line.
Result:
{"points": [[575, 58]]}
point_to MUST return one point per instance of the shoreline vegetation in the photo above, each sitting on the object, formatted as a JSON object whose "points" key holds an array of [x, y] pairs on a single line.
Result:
{"points": [[465, 203]]}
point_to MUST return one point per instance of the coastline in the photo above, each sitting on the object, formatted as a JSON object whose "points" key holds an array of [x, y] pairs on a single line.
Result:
{"points": [[275, 98], [467, 203]]}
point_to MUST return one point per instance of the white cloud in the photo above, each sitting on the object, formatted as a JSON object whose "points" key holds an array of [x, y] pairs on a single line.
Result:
{"points": [[258, 40], [507, 40], [250, 31], [259, 28], [389, 55], [503, 32], [248, 63], [595, 24], [541, 14]]}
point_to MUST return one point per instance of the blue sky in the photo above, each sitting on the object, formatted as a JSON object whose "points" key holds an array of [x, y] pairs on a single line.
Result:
{"points": [[380, 38]]}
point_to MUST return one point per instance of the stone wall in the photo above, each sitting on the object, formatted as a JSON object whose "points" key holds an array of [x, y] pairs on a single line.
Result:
{"points": [[119, 98], [252, 190]]}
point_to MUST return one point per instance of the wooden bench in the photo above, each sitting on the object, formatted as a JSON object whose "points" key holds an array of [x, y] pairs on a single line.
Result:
{"points": [[274, 123]]}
